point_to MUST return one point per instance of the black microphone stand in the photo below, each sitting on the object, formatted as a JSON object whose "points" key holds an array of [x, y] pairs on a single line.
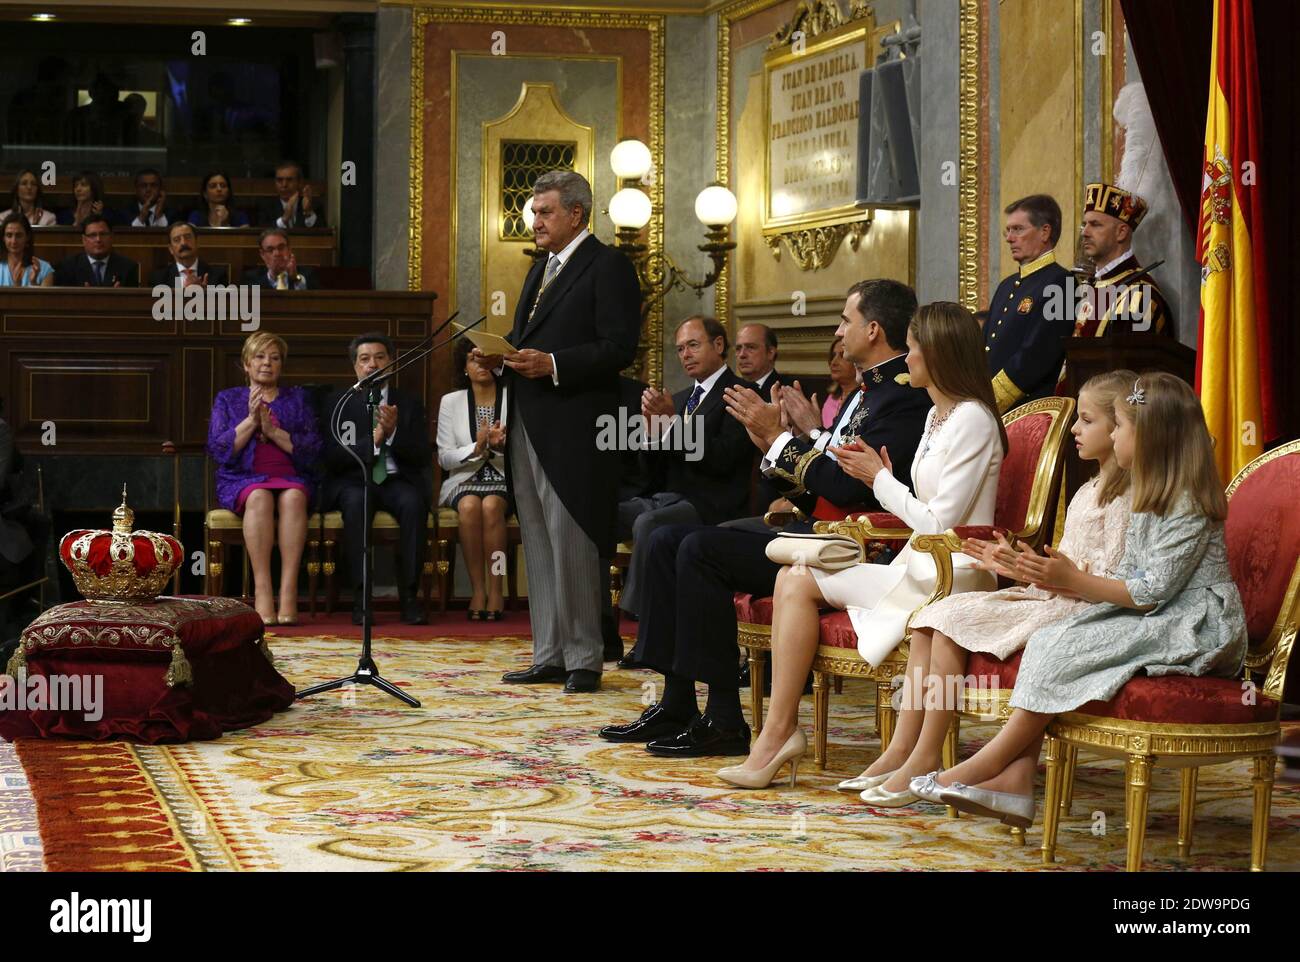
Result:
{"points": [[367, 672]]}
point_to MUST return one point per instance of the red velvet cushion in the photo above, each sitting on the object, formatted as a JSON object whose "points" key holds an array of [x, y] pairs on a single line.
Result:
{"points": [[1016, 482], [753, 611], [883, 519], [130, 647], [1262, 534], [992, 673], [1184, 699], [837, 630]]}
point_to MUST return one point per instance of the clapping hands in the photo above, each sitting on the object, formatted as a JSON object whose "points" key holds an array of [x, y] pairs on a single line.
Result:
{"points": [[861, 462]]}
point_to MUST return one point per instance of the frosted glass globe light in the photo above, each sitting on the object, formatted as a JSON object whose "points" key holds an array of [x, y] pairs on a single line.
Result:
{"points": [[630, 160], [630, 208], [527, 214], [715, 206]]}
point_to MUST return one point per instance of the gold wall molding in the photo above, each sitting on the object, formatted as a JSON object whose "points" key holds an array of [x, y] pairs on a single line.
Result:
{"points": [[814, 248], [608, 18], [968, 219], [1107, 92]]}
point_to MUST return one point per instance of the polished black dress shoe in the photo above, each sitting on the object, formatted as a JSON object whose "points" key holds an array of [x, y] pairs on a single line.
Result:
{"points": [[653, 723], [536, 675], [628, 662], [701, 739], [413, 613], [582, 680]]}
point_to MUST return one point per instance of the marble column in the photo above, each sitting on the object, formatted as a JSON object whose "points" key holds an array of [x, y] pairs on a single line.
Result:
{"points": [[392, 154], [936, 268], [356, 200]]}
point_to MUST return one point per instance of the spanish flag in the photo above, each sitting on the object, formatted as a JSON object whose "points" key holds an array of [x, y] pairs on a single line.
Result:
{"points": [[1233, 377]]}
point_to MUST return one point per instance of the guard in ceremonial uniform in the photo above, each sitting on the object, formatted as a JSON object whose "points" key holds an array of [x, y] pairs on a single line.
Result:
{"points": [[1125, 299], [1023, 340]]}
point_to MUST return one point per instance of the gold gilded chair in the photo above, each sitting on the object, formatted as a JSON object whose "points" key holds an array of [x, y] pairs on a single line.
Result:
{"points": [[385, 531], [1030, 476], [1186, 722]]}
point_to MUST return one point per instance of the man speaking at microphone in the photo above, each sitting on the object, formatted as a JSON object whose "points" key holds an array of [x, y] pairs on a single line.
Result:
{"points": [[576, 326]]}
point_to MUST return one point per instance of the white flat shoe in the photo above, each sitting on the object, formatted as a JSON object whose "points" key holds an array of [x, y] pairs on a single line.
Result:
{"points": [[1015, 810], [862, 782], [926, 787], [880, 797]]}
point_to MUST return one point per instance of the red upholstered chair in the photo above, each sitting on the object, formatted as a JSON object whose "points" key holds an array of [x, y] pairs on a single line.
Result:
{"points": [[1185, 722], [1029, 480]]}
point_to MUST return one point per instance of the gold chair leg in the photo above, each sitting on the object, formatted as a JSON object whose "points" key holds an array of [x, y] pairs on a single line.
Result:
{"points": [[757, 661], [331, 587], [821, 716], [950, 754], [1052, 792], [1186, 811], [1139, 779], [1262, 782], [216, 566], [885, 712], [444, 576], [1067, 794], [313, 575]]}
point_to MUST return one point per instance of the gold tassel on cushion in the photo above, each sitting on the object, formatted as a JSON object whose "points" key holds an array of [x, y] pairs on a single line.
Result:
{"points": [[266, 650], [179, 671], [17, 662]]}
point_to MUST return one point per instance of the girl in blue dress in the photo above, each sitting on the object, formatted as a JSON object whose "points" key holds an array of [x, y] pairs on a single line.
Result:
{"points": [[1173, 610]]}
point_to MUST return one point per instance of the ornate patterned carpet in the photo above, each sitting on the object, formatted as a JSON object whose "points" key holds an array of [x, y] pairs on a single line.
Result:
{"points": [[487, 776]]}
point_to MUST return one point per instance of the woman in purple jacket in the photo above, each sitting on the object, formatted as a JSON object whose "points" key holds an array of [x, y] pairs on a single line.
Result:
{"points": [[265, 442]]}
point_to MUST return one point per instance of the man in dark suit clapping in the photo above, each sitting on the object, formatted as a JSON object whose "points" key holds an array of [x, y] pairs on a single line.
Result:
{"points": [[705, 453], [97, 265], [186, 264], [576, 326], [395, 449], [281, 271]]}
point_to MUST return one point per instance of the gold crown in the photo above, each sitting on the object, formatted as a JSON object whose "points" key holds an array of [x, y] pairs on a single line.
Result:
{"points": [[1116, 201], [120, 565]]}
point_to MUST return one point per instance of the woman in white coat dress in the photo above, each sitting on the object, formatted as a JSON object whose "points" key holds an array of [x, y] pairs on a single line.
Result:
{"points": [[471, 450], [955, 476]]}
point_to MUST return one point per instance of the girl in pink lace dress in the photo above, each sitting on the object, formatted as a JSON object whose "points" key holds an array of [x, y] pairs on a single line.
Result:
{"points": [[1001, 622]]}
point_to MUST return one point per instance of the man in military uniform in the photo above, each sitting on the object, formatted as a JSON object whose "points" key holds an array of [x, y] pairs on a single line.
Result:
{"points": [[1124, 298], [687, 630], [1024, 341]]}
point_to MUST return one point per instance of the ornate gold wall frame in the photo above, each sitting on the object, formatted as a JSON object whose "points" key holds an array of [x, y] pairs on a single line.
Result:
{"points": [[824, 35], [968, 138], [611, 18]]}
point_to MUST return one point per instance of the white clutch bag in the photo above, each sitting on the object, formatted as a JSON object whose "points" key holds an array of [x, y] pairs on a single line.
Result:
{"points": [[829, 551]]}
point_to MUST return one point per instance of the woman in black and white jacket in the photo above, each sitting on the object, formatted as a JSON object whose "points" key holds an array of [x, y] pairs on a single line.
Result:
{"points": [[471, 451]]}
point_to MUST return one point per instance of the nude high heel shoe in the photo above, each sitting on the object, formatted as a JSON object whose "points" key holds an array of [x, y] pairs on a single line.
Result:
{"points": [[792, 751]]}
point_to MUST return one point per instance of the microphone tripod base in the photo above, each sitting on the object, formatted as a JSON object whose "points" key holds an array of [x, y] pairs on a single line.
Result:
{"points": [[366, 674]]}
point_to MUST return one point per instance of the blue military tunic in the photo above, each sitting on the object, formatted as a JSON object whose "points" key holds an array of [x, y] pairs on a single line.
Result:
{"points": [[1023, 347]]}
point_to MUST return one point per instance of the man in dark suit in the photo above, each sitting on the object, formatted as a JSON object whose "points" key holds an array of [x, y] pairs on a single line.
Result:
{"points": [[688, 631], [706, 457], [396, 451], [576, 326], [186, 263], [635, 480], [293, 205], [150, 207], [756, 353], [281, 271], [97, 265]]}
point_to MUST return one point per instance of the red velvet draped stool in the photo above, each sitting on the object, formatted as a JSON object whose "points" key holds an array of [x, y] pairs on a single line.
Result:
{"points": [[1186, 722]]}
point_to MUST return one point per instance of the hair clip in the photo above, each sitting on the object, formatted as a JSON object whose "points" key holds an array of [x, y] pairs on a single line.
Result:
{"points": [[1138, 396]]}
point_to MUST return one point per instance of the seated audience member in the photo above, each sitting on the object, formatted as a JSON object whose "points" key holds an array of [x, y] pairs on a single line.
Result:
{"points": [[705, 457], [688, 628], [97, 265], [1171, 608], [844, 381], [21, 267], [281, 272], [183, 242], [397, 454], [265, 440], [150, 207], [472, 450], [217, 203], [88, 200], [293, 204], [756, 351], [955, 477], [635, 480], [28, 198]]}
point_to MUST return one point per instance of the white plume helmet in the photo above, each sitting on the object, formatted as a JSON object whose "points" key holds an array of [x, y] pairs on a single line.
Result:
{"points": [[1133, 113]]}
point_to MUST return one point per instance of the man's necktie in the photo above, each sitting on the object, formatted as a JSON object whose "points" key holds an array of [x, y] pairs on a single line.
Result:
{"points": [[189, 272], [552, 268], [379, 470], [99, 272], [694, 401]]}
